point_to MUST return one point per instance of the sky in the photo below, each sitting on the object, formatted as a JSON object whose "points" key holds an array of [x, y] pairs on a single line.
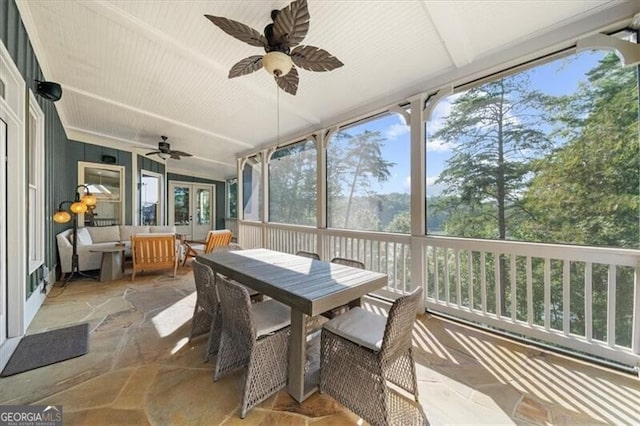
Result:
{"points": [[558, 77]]}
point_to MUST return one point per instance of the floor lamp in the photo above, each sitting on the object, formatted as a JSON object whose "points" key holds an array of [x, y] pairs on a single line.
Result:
{"points": [[76, 207]]}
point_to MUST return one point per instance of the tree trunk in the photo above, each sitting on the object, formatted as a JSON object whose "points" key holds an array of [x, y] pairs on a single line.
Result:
{"points": [[353, 188]]}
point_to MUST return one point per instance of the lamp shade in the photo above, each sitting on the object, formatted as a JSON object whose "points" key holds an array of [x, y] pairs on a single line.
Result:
{"points": [[277, 63], [61, 216], [89, 199], [78, 207]]}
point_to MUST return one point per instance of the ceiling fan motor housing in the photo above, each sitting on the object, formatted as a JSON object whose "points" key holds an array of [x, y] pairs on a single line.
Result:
{"points": [[164, 146]]}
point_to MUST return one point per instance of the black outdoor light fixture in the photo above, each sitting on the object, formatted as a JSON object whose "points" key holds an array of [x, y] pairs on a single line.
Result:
{"points": [[76, 207], [49, 90]]}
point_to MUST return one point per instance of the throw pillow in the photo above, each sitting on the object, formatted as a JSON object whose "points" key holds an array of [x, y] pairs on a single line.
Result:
{"points": [[84, 238], [162, 229], [104, 234], [126, 231]]}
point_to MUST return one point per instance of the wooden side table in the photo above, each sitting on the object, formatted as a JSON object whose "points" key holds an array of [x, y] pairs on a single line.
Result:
{"points": [[112, 262]]}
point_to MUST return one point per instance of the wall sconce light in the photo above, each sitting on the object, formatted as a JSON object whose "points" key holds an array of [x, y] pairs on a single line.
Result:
{"points": [[49, 90]]}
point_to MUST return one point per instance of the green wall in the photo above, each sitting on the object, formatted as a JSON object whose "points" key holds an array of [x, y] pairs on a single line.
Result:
{"points": [[15, 39]]}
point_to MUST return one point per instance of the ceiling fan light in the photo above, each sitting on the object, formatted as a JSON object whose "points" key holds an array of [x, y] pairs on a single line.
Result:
{"points": [[277, 63], [164, 155]]}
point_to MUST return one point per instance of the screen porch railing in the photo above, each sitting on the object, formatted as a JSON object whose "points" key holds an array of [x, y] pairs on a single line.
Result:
{"points": [[585, 299]]}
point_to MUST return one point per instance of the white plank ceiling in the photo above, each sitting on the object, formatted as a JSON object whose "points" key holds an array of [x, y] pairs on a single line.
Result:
{"points": [[134, 70]]}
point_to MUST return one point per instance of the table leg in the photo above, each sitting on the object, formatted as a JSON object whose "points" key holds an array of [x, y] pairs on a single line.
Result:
{"points": [[297, 343], [111, 267]]}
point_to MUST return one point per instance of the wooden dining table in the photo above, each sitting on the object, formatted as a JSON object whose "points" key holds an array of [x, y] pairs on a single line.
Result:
{"points": [[309, 287]]}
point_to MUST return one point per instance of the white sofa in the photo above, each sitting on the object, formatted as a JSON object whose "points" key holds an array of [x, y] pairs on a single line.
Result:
{"points": [[99, 236]]}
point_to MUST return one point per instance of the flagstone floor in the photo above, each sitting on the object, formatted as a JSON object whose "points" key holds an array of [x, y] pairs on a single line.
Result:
{"points": [[142, 369]]}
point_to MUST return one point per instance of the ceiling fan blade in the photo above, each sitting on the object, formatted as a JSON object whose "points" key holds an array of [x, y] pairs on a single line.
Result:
{"points": [[246, 66], [313, 58], [292, 23], [289, 83], [239, 30], [175, 155], [181, 154], [153, 152]]}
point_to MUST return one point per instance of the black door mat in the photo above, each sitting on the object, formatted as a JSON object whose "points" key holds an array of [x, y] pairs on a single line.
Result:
{"points": [[49, 347]]}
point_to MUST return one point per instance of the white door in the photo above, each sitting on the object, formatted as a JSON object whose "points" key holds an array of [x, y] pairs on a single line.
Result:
{"points": [[191, 209], [3, 233]]}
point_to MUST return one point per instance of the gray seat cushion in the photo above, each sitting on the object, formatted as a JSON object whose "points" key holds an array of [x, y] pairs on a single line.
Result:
{"points": [[270, 316], [359, 326]]}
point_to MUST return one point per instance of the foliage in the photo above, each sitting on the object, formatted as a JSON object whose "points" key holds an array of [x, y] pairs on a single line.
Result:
{"points": [[494, 130], [292, 184], [355, 163]]}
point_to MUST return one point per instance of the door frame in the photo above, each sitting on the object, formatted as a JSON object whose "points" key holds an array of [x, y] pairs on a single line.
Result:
{"points": [[170, 201], [13, 112], [161, 191]]}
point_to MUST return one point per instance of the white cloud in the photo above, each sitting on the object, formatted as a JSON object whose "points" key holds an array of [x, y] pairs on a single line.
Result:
{"points": [[437, 145], [431, 180], [395, 130], [407, 183]]}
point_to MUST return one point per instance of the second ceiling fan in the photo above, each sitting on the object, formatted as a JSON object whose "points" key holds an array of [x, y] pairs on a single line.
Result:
{"points": [[165, 152], [281, 41]]}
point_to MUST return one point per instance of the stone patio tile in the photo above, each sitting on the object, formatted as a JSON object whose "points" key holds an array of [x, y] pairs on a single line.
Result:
{"points": [[471, 376], [119, 320], [105, 416], [145, 345], [497, 397], [563, 417], [93, 393], [532, 411], [448, 407], [430, 375], [316, 405], [344, 418], [59, 315], [133, 392], [148, 299], [186, 396]]}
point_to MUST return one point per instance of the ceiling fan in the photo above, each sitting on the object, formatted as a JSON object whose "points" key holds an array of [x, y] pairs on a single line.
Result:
{"points": [[165, 152], [289, 27]]}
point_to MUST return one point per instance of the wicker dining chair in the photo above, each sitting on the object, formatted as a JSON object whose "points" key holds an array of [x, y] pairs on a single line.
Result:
{"points": [[308, 254], [348, 262], [255, 336], [339, 310], [361, 351], [206, 314]]}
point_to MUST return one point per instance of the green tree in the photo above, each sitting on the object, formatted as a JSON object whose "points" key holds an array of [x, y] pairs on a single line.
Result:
{"points": [[356, 164], [587, 191], [495, 133], [401, 223], [292, 184]]}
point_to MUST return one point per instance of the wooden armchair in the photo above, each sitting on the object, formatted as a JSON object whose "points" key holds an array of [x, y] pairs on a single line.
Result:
{"points": [[215, 239], [154, 251]]}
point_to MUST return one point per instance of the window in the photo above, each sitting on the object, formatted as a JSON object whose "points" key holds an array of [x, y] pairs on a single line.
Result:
{"points": [[106, 182], [252, 189], [292, 184], [150, 198], [549, 154], [368, 170], [36, 183], [232, 198]]}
